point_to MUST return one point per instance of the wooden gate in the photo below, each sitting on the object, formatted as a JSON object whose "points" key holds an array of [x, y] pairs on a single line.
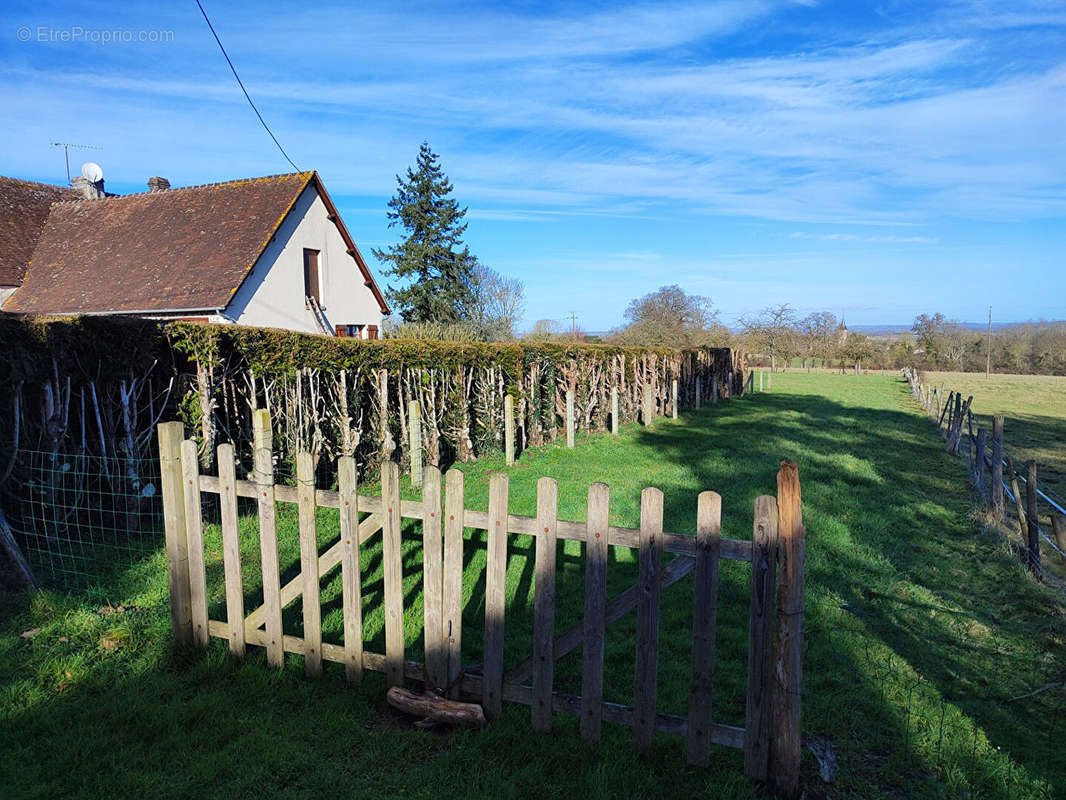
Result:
{"points": [[770, 738]]}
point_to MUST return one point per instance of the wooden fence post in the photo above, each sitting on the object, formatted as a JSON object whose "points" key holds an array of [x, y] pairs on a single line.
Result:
{"points": [[170, 437], [595, 627], [997, 465], [544, 603], [432, 581], [571, 423], [392, 569], [351, 583], [194, 532], [454, 522], [760, 638], [979, 463], [1018, 505], [495, 596], [649, 404], [786, 705], [704, 623], [615, 422], [1032, 517], [761, 373], [714, 390], [1058, 525], [649, 572], [508, 429], [699, 392], [770, 380], [268, 535], [231, 548], [414, 432], [673, 399], [307, 511]]}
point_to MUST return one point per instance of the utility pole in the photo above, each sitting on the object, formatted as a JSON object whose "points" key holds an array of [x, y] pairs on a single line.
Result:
{"points": [[573, 325], [988, 349]]}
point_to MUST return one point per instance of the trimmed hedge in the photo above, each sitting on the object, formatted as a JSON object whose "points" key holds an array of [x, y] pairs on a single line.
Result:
{"points": [[325, 394]]}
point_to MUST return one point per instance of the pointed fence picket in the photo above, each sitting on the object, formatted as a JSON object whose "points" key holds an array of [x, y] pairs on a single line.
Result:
{"points": [[770, 739]]}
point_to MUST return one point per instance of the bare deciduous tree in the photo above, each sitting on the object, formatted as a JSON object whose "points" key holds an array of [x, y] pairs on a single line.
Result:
{"points": [[772, 331]]}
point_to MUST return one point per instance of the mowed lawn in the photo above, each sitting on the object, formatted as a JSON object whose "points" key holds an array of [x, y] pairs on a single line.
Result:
{"points": [[931, 657], [1034, 410]]}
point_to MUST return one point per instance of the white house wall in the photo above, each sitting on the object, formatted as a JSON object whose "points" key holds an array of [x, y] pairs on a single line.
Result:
{"points": [[273, 295]]}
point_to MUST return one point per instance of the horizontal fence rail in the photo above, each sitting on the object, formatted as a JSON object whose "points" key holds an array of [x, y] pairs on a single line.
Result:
{"points": [[771, 736]]}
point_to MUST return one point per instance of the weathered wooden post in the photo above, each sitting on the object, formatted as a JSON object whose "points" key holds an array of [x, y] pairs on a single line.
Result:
{"points": [[1031, 518], [649, 404], [268, 535], [760, 638], [997, 465], [714, 390], [387, 444], [1012, 476], [414, 432], [508, 429], [170, 436], [673, 399], [761, 373], [1058, 525], [571, 425], [699, 391], [979, 464], [770, 380], [614, 410], [786, 706]]}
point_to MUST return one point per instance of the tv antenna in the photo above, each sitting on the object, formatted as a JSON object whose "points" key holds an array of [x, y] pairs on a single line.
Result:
{"points": [[66, 152]]}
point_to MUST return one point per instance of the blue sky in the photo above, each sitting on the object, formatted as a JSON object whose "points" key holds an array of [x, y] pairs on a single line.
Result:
{"points": [[880, 159]]}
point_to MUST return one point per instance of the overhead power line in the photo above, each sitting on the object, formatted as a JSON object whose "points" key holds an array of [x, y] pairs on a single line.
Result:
{"points": [[240, 83]]}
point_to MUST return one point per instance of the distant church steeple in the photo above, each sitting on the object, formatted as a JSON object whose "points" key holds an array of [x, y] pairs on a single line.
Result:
{"points": [[842, 329]]}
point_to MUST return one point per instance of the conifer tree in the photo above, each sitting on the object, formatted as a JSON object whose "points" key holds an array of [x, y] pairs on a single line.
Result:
{"points": [[432, 256]]}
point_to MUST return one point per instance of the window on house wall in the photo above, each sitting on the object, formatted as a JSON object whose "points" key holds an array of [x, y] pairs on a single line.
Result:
{"points": [[349, 331], [311, 275], [371, 331]]}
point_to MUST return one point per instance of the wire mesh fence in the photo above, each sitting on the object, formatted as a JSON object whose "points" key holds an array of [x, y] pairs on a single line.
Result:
{"points": [[79, 518]]}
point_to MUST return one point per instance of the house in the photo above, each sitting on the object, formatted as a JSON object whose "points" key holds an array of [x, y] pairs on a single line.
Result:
{"points": [[268, 252]]}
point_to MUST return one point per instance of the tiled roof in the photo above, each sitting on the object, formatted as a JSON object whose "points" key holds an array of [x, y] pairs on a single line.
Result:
{"points": [[23, 208], [175, 250]]}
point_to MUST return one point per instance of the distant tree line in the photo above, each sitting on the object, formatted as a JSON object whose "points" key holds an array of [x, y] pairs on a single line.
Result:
{"points": [[781, 338]]}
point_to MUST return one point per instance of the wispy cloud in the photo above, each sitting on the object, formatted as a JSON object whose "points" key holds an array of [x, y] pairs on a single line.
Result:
{"points": [[854, 237], [616, 112]]}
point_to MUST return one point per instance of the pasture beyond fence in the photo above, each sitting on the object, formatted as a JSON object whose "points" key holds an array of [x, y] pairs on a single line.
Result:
{"points": [[771, 736], [986, 453]]}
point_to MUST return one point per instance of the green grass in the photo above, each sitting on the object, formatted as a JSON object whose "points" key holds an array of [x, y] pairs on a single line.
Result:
{"points": [[1034, 410], [920, 629]]}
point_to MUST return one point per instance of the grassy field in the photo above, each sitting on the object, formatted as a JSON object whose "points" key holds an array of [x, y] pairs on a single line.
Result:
{"points": [[925, 640], [1034, 410]]}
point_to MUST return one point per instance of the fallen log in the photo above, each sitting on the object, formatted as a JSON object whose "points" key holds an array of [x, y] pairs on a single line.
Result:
{"points": [[436, 709]]}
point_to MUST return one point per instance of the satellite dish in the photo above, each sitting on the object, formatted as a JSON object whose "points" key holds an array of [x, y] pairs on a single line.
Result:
{"points": [[92, 172]]}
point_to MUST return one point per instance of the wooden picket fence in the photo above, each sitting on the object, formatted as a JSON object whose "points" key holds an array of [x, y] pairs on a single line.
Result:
{"points": [[770, 738]]}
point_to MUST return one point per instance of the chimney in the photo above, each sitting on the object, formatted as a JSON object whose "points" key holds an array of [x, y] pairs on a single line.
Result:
{"points": [[157, 184], [89, 191]]}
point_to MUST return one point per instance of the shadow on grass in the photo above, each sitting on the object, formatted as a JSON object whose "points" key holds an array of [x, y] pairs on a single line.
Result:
{"points": [[903, 596], [919, 633]]}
